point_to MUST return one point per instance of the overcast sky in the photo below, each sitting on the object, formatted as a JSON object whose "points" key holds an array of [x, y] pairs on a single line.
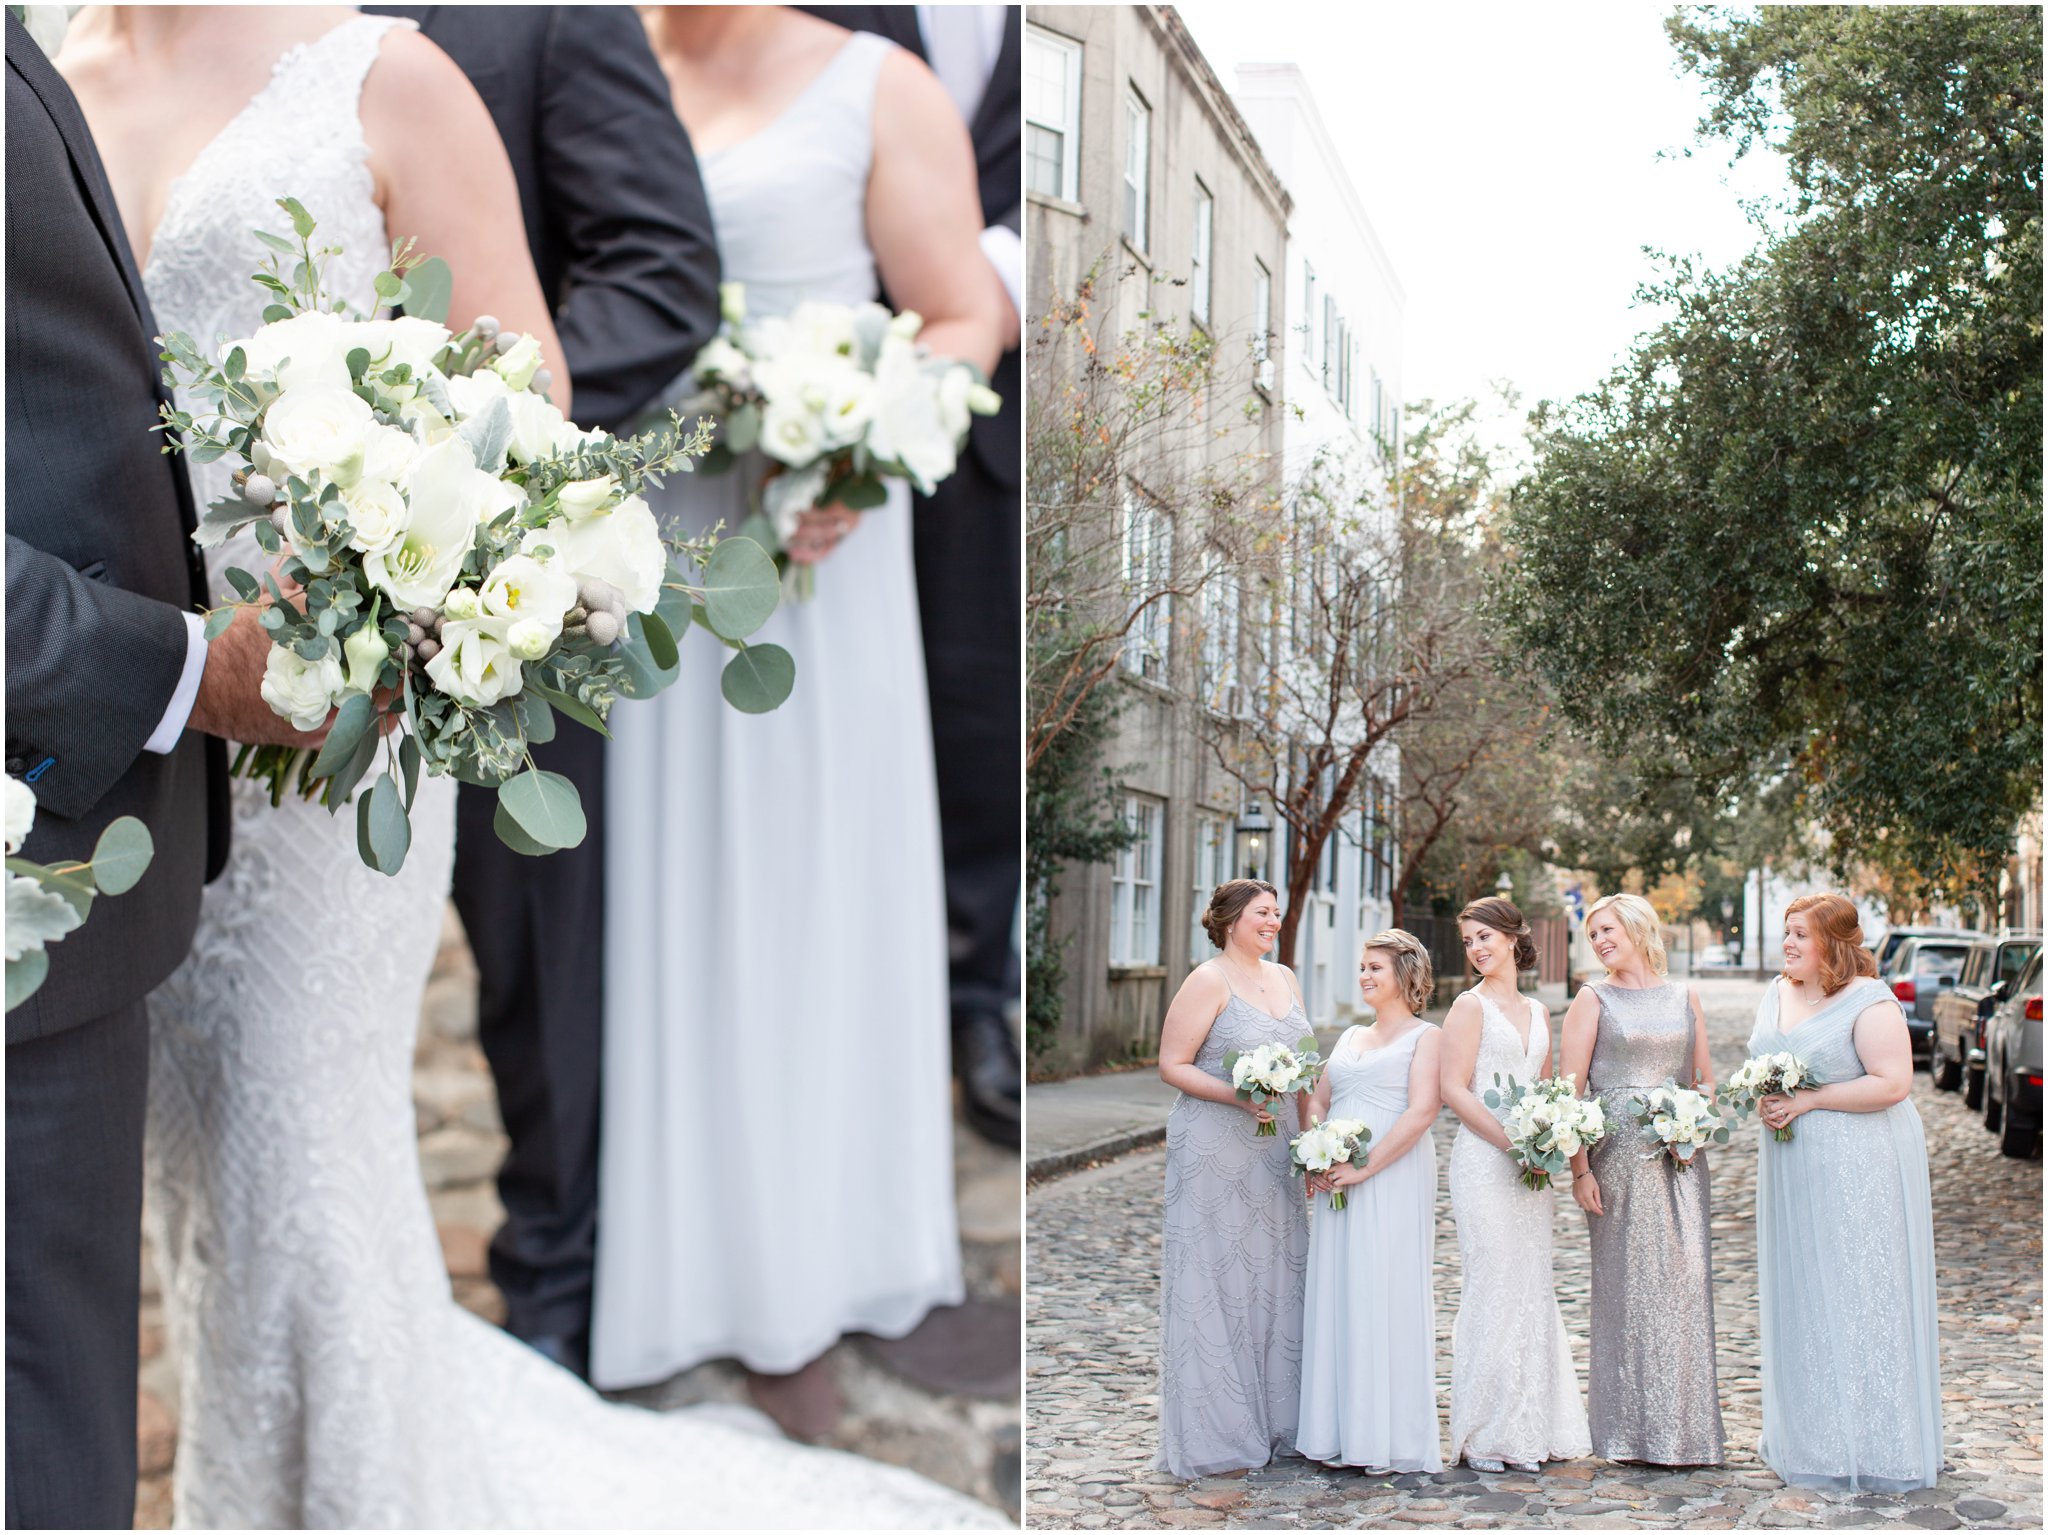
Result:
{"points": [[1515, 160]]}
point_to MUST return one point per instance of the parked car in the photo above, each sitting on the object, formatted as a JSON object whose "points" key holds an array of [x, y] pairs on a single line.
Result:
{"points": [[2012, 1067], [1922, 969], [1714, 956], [1888, 946], [1955, 1051]]}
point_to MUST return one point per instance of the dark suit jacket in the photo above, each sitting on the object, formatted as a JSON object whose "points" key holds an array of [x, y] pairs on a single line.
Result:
{"points": [[99, 561], [998, 134], [615, 212]]}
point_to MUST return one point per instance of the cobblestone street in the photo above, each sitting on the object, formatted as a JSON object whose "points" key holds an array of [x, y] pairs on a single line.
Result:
{"points": [[1091, 1364], [970, 1444]]}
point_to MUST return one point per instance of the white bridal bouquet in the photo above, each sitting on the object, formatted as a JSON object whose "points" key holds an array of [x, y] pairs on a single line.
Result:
{"points": [[1760, 1077], [1268, 1073], [1547, 1124], [1679, 1119], [1328, 1144], [47, 901], [452, 557], [841, 397]]}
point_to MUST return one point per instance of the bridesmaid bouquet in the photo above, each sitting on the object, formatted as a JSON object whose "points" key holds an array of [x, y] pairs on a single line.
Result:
{"points": [[841, 397], [47, 901], [456, 564], [1328, 1144], [1269, 1073], [1547, 1124], [1679, 1119], [1760, 1077]]}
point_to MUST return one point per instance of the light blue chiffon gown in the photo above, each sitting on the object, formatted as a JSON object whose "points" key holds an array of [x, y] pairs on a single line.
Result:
{"points": [[1368, 1346], [1845, 1260]]}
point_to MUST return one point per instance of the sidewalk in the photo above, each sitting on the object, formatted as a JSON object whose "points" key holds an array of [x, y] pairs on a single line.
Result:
{"points": [[1070, 1124]]}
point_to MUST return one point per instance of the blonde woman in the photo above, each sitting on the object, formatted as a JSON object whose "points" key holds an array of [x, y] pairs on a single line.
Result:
{"points": [[1368, 1346], [1651, 1393]]}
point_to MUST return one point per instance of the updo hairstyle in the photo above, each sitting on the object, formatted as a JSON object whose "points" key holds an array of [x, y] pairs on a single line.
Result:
{"points": [[1227, 904], [1839, 932], [1638, 918], [1505, 918], [1412, 970]]}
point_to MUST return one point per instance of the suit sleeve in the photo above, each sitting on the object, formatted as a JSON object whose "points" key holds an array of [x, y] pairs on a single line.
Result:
{"points": [[91, 669], [640, 278]]}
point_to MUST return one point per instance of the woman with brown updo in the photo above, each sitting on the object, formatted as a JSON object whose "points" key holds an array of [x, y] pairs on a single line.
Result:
{"points": [[1236, 1226], [1844, 1225]]}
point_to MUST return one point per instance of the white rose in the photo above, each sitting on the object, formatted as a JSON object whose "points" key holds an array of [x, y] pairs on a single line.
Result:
{"points": [[323, 430], [469, 393], [955, 384], [300, 690], [388, 453], [475, 665], [583, 498], [377, 513], [425, 422], [791, 432], [622, 546], [448, 496], [35, 916], [518, 366], [406, 339], [536, 428], [308, 351], [524, 588], [21, 813], [907, 427]]}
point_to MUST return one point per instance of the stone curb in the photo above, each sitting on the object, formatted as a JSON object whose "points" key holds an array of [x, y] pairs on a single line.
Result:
{"points": [[1057, 1164]]}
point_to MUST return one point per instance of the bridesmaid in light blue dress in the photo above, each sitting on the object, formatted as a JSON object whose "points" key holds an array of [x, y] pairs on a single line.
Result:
{"points": [[1368, 1361], [1845, 1228]]}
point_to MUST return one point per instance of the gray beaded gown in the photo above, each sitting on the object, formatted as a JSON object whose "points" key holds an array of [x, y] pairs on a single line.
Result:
{"points": [[1651, 1392], [1234, 1260], [1845, 1274]]}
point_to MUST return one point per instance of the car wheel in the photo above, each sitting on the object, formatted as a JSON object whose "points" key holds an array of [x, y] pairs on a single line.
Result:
{"points": [[2016, 1137], [1973, 1087], [1945, 1071], [1994, 1115]]}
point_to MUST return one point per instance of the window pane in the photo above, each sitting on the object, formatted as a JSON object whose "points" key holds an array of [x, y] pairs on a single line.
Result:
{"points": [[1042, 151]]}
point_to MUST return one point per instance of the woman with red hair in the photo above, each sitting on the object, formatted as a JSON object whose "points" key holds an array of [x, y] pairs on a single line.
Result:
{"points": [[1845, 1225]]}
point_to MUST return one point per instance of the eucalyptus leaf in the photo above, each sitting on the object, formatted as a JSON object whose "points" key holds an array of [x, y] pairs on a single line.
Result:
{"points": [[758, 679], [575, 709], [409, 765], [433, 287], [217, 622], [354, 718], [390, 830], [863, 494], [302, 221], [24, 975], [546, 806], [121, 855], [743, 428], [510, 833], [661, 645], [536, 717], [741, 588], [246, 586]]}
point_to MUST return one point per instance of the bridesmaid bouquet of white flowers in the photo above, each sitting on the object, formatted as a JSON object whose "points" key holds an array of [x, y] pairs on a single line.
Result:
{"points": [[47, 901], [1679, 1120], [841, 397], [1547, 1124], [456, 564], [1327, 1144], [1760, 1077], [1268, 1073]]}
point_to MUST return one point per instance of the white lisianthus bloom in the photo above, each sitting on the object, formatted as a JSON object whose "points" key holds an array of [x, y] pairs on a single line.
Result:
{"points": [[366, 653], [475, 664], [523, 588], [845, 399], [622, 546], [536, 428], [406, 339], [377, 514], [448, 496], [35, 916], [732, 302], [425, 422], [955, 385], [530, 639], [791, 432], [302, 691], [906, 325], [462, 602], [469, 393], [719, 359], [21, 813], [308, 351], [907, 428], [325, 431], [585, 498], [821, 328], [518, 366]]}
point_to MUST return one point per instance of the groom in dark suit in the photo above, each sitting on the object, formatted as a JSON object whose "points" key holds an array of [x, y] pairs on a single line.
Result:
{"points": [[109, 688], [621, 236]]}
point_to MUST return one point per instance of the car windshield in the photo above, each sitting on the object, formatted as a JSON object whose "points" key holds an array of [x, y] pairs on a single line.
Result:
{"points": [[2012, 959]]}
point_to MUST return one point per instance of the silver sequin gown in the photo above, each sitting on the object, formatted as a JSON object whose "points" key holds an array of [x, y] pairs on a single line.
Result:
{"points": [[1233, 1264], [1651, 1392], [1845, 1275]]}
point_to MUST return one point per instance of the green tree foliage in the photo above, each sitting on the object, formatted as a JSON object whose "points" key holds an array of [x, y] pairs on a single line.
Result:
{"points": [[1797, 533]]}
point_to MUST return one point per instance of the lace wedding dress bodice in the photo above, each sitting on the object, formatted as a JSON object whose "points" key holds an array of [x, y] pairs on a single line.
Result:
{"points": [[327, 1377], [1514, 1392]]}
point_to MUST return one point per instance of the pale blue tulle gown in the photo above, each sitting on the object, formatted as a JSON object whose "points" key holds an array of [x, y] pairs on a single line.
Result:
{"points": [[1368, 1344], [1845, 1260]]}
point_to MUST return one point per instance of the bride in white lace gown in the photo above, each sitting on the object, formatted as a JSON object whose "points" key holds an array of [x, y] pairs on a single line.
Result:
{"points": [[1514, 1393], [327, 1377]]}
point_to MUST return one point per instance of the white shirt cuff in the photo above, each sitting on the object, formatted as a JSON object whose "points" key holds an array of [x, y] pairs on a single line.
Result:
{"points": [[1005, 253], [172, 725]]}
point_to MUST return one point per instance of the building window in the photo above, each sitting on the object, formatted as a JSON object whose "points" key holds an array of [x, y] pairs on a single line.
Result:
{"points": [[1052, 114], [1222, 631], [1199, 268], [1148, 573], [1215, 852], [1134, 885], [1137, 171], [1262, 321], [1308, 316], [1329, 338]]}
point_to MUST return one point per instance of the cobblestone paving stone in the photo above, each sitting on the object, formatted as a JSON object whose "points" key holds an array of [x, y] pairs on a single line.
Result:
{"points": [[973, 1445], [1091, 1377]]}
